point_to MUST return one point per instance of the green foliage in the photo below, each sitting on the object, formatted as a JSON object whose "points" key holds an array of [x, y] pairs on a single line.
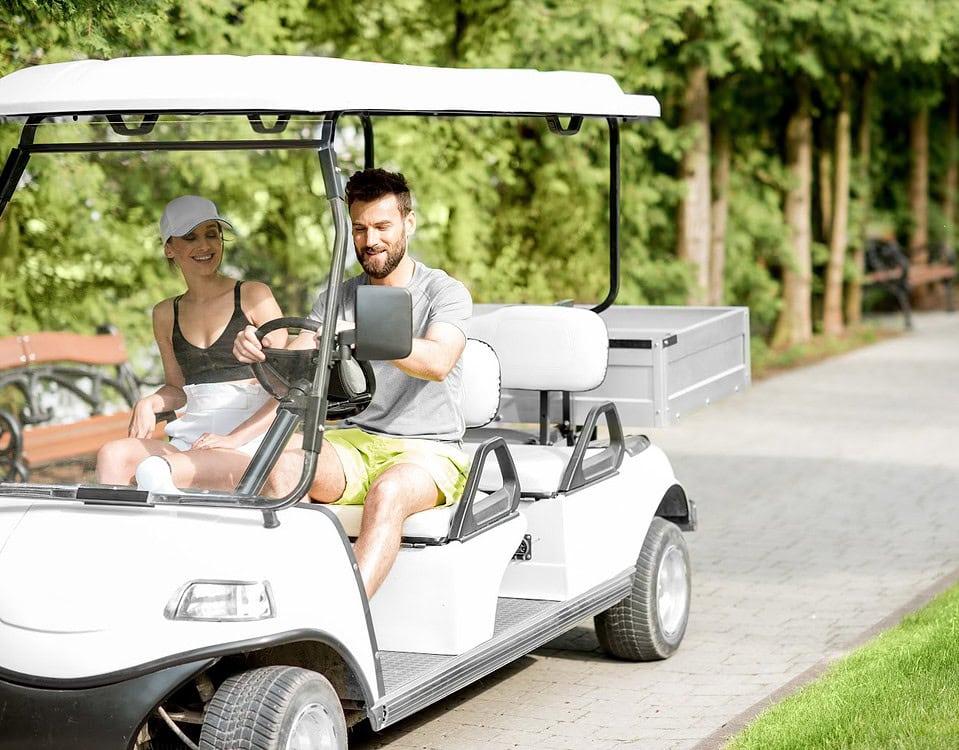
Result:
{"points": [[515, 211]]}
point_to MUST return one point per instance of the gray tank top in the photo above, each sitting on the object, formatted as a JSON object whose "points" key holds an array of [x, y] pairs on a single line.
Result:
{"points": [[216, 363]]}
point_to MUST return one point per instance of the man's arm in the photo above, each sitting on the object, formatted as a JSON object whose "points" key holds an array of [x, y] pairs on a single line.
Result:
{"points": [[434, 356]]}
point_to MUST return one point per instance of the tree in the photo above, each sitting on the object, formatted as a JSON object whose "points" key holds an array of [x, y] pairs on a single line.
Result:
{"points": [[794, 325]]}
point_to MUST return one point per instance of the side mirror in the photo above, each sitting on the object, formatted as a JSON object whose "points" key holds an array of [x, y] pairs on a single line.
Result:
{"points": [[384, 322]]}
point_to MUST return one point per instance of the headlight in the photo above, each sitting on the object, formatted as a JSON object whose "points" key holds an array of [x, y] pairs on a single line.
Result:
{"points": [[222, 601]]}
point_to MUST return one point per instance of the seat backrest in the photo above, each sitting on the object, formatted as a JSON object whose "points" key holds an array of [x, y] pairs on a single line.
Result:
{"points": [[545, 347], [481, 383]]}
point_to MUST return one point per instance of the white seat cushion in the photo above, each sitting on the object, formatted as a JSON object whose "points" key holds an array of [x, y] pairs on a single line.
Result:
{"points": [[545, 347], [539, 468], [427, 524], [481, 378]]}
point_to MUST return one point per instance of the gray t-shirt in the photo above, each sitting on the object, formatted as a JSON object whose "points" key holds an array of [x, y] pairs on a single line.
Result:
{"points": [[403, 405]]}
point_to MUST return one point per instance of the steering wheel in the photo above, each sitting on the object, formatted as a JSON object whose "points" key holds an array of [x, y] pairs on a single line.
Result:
{"points": [[351, 385]]}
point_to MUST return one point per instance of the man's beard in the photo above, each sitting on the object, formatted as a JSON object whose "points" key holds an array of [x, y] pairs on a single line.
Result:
{"points": [[394, 254]]}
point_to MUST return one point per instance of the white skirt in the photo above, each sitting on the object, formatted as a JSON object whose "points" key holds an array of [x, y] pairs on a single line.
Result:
{"points": [[218, 408]]}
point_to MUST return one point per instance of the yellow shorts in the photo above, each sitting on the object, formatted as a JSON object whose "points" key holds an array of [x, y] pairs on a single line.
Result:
{"points": [[365, 456]]}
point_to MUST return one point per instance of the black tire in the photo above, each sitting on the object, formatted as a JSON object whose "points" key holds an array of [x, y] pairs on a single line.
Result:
{"points": [[274, 708], [650, 623]]}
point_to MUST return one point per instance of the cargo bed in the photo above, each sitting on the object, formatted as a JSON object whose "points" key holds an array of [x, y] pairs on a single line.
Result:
{"points": [[664, 362]]}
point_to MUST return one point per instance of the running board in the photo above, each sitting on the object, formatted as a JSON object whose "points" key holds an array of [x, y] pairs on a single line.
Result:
{"points": [[522, 625]]}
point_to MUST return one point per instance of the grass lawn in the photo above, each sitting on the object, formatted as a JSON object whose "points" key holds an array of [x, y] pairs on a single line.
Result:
{"points": [[900, 690]]}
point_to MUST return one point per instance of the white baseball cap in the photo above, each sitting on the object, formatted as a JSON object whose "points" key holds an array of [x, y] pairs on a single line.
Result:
{"points": [[184, 214]]}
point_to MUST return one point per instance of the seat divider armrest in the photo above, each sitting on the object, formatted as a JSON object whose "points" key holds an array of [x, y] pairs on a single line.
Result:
{"points": [[581, 470], [472, 516]]}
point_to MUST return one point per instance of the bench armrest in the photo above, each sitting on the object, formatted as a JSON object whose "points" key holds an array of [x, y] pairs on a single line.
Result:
{"points": [[883, 255], [12, 468]]}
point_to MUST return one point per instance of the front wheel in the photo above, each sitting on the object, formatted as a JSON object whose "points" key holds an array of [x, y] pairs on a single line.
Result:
{"points": [[649, 624], [274, 708]]}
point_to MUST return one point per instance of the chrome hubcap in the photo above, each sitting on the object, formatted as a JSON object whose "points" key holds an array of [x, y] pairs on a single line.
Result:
{"points": [[672, 593], [313, 729]]}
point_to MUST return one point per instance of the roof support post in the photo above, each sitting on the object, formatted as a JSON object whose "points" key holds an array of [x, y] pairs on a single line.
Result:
{"points": [[614, 201], [17, 162]]}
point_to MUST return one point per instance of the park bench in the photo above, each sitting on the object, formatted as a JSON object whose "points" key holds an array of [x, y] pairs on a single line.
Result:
{"points": [[889, 267], [62, 396]]}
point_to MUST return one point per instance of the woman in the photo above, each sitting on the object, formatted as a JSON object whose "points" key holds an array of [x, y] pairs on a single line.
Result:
{"points": [[227, 411]]}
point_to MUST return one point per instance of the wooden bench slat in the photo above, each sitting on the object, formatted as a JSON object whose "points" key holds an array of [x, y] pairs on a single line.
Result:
{"points": [[47, 443], [929, 274], [97, 349], [12, 353], [885, 274]]}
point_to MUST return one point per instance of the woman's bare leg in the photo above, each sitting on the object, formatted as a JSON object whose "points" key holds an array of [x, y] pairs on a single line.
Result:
{"points": [[117, 461]]}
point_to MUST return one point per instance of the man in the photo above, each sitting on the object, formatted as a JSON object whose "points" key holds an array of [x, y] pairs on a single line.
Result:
{"points": [[402, 453]]}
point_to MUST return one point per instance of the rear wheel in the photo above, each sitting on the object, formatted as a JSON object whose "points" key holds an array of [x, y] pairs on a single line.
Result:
{"points": [[649, 624], [274, 708]]}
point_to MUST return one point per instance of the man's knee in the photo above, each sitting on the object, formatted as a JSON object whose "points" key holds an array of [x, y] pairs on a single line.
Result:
{"points": [[399, 492], [285, 474]]}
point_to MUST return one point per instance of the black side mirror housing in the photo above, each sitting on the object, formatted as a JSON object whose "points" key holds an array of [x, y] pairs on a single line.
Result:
{"points": [[384, 322]]}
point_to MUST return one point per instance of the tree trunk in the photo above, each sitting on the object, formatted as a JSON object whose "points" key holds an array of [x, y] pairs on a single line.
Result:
{"points": [[722, 149], [794, 325], [824, 166], [839, 234], [950, 180], [919, 196], [864, 199], [919, 181], [694, 226]]}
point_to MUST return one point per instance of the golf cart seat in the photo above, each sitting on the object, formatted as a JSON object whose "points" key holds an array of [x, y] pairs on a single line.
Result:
{"points": [[543, 349], [440, 595], [480, 396]]}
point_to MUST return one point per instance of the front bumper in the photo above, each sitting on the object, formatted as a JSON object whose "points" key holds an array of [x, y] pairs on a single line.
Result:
{"points": [[47, 716]]}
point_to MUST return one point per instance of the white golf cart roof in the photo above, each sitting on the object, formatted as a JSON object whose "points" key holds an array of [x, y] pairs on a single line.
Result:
{"points": [[291, 84]]}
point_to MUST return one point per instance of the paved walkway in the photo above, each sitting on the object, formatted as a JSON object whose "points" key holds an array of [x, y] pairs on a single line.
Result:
{"points": [[827, 502]]}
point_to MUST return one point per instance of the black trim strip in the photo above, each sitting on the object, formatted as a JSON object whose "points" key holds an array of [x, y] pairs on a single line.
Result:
{"points": [[93, 718], [233, 145], [630, 344]]}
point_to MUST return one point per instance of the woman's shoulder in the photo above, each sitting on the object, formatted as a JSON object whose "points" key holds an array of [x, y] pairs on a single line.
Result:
{"points": [[257, 302], [163, 310], [254, 291]]}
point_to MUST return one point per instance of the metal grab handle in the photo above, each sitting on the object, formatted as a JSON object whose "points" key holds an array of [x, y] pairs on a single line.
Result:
{"points": [[473, 516], [581, 470]]}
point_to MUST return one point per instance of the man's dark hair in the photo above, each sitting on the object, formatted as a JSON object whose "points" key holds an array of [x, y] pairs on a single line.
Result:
{"points": [[372, 184]]}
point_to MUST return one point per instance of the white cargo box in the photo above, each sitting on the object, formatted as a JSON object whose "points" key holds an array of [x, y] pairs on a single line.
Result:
{"points": [[664, 362]]}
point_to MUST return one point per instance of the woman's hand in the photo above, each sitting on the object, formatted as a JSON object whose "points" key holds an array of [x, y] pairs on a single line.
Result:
{"points": [[209, 440], [143, 422], [247, 347]]}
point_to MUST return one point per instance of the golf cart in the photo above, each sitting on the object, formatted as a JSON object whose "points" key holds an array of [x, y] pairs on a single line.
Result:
{"points": [[250, 627]]}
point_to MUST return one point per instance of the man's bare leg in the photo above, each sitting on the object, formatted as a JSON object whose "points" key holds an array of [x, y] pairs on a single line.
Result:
{"points": [[395, 495], [329, 481]]}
